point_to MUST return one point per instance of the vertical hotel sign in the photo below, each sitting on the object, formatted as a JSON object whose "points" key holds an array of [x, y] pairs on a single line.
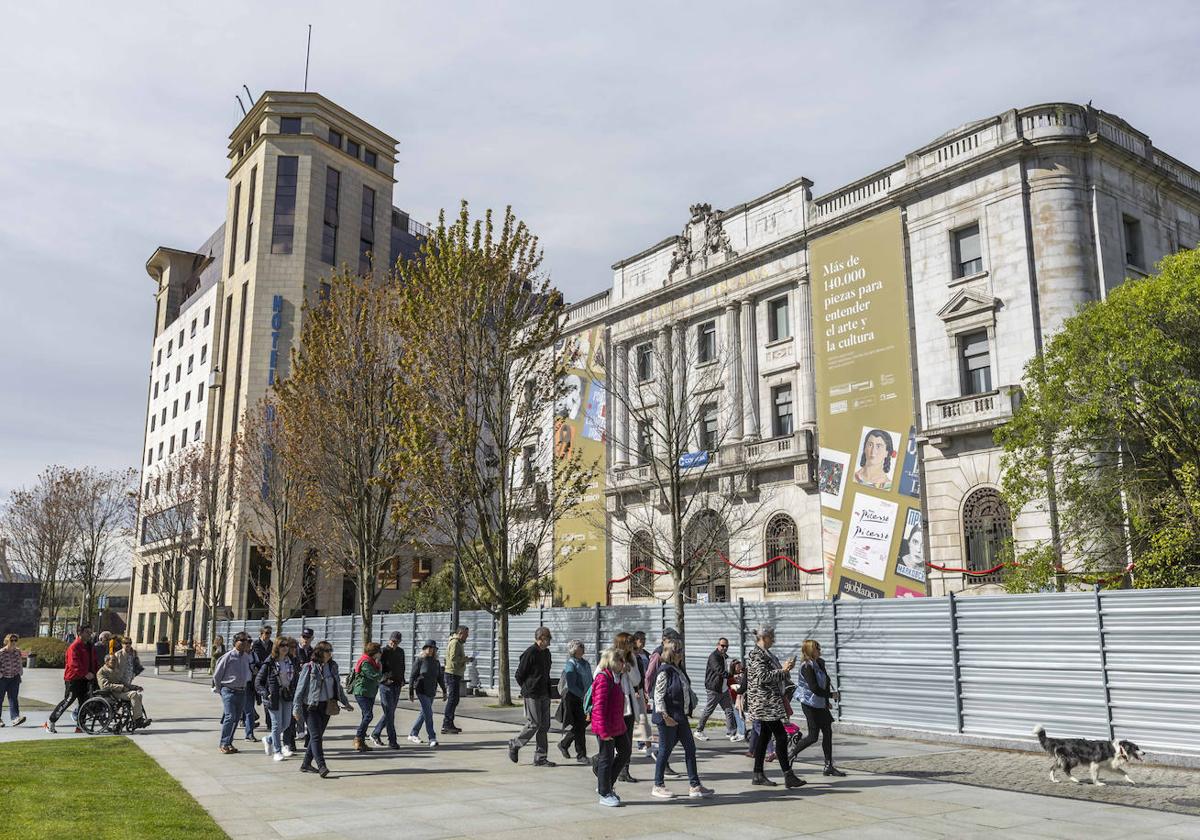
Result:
{"points": [[580, 428], [867, 472]]}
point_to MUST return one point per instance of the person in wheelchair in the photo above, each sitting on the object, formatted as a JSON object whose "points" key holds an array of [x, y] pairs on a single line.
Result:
{"points": [[111, 681]]}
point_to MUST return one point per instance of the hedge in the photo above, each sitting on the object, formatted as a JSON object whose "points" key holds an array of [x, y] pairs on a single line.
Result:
{"points": [[50, 652]]}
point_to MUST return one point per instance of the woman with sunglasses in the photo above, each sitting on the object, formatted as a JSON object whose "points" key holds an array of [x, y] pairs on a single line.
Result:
{"points": [[11, 668], [319, 692]]}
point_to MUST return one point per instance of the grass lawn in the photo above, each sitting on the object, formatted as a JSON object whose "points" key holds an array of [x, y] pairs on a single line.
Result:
{"points": [[95, 788]]}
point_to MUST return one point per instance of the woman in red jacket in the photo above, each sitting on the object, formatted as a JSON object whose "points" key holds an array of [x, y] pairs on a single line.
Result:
{"points": [[608, 724]]}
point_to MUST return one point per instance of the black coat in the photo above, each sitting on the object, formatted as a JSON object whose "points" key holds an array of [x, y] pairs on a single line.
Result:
{"points": [[391, 664], [714, 673], [533, 672]]}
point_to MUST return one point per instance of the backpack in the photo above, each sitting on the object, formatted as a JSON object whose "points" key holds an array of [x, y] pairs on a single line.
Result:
{"points": [[351, 678], [587, 700]]}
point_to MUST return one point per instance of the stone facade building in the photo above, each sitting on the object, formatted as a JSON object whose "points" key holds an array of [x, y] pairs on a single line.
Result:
{"points": [[309, 190], [1011, 223]]}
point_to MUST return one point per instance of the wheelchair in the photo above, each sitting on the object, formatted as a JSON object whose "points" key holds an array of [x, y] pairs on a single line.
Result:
{"points": [[102, 712]]}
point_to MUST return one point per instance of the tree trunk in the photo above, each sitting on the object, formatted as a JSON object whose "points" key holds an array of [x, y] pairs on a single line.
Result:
{"points": [[679, 611], [505, 693]]}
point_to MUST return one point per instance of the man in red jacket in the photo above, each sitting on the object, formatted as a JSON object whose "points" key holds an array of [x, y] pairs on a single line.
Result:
{"points": [[77, 676]]}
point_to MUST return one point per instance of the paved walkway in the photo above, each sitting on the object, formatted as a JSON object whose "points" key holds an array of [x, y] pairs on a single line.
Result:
{"points": [[467, 788]]}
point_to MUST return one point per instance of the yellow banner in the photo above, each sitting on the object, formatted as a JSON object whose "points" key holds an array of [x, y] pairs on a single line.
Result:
{"points": [[580, 426], [867, 473]]}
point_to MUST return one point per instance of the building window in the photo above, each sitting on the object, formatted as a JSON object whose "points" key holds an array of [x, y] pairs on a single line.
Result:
{"points": [[187, 400], [155, 390], [141, 633], [780, 325], [975, 363], [1133, 241], [167, 382], [164, 414], [708, 427], [159, 357], [987, 529], [150, 456], [781, 410], [191, 363], [200, 393], [530, 393], [641, 566], [782, 547], [183, 437], [160, 447], [645, 362], [335, 138], [146, 495], [237, 207], [289, 125], [171, 451], [527, 471], [193, 331], [175, 409], [250, 213], [351, 147], [203, 354], [178, 372], [706, 342], [170, 346], [181, 341], [968, 258], [207, 313], [196, 431], [366, 243], [330, 227], [369, 158], [153, 617], [645, 444], [153, 420], [285, 205]]}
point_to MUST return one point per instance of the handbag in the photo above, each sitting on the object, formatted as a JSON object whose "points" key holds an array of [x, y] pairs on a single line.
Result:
{"points": [[331, 706]]}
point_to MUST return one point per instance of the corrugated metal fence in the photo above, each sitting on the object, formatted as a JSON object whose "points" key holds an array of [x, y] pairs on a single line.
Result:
{"points": [[1122, 664]]}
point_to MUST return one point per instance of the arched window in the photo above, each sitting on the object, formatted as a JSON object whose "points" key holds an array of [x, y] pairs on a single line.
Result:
{"points": [[641, 560], [706, 550], [987, 527], [781, 542]]}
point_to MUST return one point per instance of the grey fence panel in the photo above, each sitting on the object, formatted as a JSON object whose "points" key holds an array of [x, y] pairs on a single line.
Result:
{"points": [[895, 663], [630, 619], [1028, 660], [1152, 645], [704, 624]]}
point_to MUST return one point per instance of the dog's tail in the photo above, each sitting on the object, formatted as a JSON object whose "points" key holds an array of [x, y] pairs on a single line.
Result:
{"points": [[1040, 732]]}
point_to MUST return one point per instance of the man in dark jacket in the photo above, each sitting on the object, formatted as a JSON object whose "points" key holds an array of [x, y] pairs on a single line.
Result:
{"points": [[533, 676], [305, 651], [391, 666], [717, 689], [260, 652], [77, 676]]}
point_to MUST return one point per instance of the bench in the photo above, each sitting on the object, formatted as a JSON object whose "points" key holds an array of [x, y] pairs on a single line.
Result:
{"points": [[196, 663]]}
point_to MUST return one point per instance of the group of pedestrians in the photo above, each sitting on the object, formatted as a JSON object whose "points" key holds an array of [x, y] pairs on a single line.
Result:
{"points": [[110, 665]]}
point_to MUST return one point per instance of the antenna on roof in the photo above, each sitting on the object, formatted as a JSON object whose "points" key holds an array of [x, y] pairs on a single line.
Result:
{"points": [[249, 98], [307, 52], [240, 105]]}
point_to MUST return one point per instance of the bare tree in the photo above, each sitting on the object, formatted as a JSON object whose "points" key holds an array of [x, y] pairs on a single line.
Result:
{"points": [[170, 538], [684, 496], [40, 531], [270, 468], [210, 469], [102, 506], [340, 402], [479, 382]]}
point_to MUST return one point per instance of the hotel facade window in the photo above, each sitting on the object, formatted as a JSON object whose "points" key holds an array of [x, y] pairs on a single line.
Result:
{"points": [[329, 228], [706, 342], [249, 215], [781, 410], [708, 427], [975, 363], [366, 243], [779, 325], [645, 362], [284, 226], [968, 255]]}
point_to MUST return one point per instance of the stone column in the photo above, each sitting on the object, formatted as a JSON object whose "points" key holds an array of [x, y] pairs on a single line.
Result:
{"points": [[679, 371], [804, 354], [733, 373], [620, 436], [749, 370]]}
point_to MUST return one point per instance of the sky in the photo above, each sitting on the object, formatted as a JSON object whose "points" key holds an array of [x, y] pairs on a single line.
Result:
{"points": [[600, 123]]}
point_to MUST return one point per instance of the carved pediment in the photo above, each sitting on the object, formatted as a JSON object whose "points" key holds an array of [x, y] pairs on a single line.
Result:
{"points": [[967, 302], [703, 239]]}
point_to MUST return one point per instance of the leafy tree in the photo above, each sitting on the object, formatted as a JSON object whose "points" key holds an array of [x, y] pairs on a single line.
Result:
{"points": [[1109, 429], [39, 530], [340, 402], [478, 385]]}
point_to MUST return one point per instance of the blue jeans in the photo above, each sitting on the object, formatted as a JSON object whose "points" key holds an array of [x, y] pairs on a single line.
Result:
{"points": [[425, 717], [366, 705], [389, 696], [281, 715], [9, 687], [668, 737], [453, 687], [248, 711], [234, 703]]}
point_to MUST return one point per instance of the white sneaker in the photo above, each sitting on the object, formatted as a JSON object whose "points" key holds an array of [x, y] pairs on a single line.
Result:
{"points": [[659, 792], [700, 735], [648, 752], [735, 737], [414, 739], [287, 753], [267, 745], [610, 801], [700, 792], [278, 757], [433, 743]]}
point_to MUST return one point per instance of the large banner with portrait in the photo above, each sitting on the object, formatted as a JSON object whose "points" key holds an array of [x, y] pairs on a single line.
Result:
{"points": [[868, 473], [581, 426]]}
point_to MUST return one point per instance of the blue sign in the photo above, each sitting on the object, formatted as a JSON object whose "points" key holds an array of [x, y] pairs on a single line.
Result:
{"points": [[276, 326], [693, 459]]}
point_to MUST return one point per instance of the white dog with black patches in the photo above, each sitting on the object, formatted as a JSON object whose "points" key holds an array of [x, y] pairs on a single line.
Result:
{"points": [[1069, 752]]}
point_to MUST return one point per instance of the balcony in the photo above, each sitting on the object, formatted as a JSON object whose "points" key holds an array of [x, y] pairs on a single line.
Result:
{"points": [[945, 419]]}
